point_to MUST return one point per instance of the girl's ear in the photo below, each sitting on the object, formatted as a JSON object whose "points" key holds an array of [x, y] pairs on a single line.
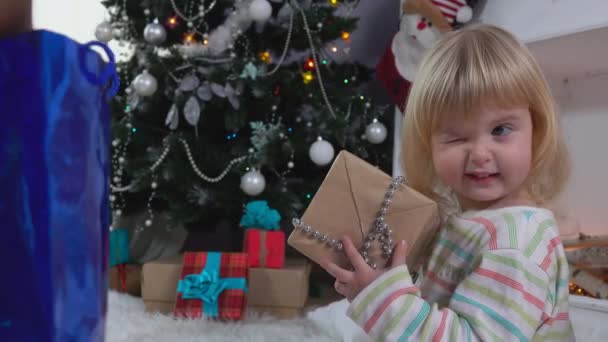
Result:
{"points": [[15, 16]]}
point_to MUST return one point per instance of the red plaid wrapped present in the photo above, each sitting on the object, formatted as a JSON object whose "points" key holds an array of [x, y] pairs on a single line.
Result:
{"points": [[265, 248], [212, 285]]}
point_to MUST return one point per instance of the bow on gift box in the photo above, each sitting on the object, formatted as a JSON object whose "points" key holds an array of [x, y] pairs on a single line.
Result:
{"points": [[259, 215], [208, 285]]}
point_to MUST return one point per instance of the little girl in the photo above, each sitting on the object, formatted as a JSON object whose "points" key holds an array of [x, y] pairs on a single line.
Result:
{"points": [[482, 131]]}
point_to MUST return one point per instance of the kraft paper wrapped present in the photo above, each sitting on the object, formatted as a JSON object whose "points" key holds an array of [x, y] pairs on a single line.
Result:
{"points": [[126, 278], [159, 283], [347, 204], [276, 312], [286, 287]]}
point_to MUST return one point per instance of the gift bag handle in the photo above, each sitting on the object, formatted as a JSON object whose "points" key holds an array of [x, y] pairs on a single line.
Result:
{"points": [[108, 72]]}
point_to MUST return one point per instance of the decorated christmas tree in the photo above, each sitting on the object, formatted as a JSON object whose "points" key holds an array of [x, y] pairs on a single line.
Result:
{"points": [[227, 101]]}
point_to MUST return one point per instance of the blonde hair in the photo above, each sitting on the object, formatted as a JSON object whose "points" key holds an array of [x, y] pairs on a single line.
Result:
{"points": [[464, 70]]}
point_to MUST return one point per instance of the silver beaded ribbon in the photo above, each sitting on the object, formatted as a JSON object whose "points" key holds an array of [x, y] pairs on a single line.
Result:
{"points": [[380, 230]]}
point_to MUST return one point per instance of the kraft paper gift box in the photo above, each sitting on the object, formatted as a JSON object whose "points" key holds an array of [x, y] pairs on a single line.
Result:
{"points": [[126, 278], [276, 311], [347, 204], [282, 293], [159, 280], [285, 287]]}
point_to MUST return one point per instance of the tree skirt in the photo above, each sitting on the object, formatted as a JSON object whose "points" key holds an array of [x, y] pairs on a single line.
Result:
{"points": [[127, 321]]}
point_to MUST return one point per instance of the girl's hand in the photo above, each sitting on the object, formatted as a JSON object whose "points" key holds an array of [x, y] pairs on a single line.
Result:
{"points": [[351, 283]]}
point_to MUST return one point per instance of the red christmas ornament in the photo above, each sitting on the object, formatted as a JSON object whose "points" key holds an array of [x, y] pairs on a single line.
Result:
{"points": [[277, 90]]}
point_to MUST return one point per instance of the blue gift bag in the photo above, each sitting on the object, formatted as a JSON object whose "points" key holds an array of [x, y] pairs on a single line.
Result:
{"points": [[54, 169]]}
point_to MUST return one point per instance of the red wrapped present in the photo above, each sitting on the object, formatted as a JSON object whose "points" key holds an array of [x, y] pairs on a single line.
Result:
{"points": [[266, 248], [212, 285]]}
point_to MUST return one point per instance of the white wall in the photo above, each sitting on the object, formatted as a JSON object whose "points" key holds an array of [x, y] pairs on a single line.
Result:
{"points": [[584, 106], [76, 19], [533, 20]]}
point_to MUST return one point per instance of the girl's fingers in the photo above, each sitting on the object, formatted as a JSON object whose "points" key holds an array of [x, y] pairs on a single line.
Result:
{"points": [[337, 272]]}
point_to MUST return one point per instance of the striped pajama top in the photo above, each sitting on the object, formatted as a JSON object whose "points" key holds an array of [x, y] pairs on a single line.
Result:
{"points": [[493, 275]]}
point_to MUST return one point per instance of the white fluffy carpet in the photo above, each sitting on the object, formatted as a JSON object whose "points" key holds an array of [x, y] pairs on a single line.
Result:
{"points": [[127, 321]]}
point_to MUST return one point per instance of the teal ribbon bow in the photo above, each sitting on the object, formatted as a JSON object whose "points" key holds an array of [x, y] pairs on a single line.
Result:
{"points": [[208, 285], [259, 215]]}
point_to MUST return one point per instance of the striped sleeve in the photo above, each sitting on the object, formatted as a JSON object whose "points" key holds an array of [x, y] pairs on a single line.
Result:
{"points": [[506, 297]]}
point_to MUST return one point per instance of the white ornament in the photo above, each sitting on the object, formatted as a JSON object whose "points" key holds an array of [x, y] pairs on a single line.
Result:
{"points": [[155, 33], [103, 32], [148, 223], [260, 10], [145, 84], [375, 132], [464, 14], [253, 183], [321, 152]]}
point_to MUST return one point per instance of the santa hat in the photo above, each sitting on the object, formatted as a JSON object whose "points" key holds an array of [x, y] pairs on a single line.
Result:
{"points": [[455, 11]]}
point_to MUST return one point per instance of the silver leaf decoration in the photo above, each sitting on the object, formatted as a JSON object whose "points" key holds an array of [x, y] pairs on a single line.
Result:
{"points": [[232, 96], [234, 101], [218, 90], [257, 92], [172, 119], [284, 12], [189, 83], [204, 70], [192, 111], [240, 86], [229, 90], [204, 92], [133, 100]]}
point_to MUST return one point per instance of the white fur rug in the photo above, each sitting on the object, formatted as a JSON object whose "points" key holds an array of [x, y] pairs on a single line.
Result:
{"points": [[127, 321]]}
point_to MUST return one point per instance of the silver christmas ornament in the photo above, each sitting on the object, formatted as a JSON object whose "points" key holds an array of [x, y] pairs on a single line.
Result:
{"points": [[145, 84], [104, 32], [253, 183], [155, 33], [260, 10], [321, 152], [375, 132]]}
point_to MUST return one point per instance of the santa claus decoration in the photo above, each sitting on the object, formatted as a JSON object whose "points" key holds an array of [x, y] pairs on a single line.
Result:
{"points": [[422, 23]]}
